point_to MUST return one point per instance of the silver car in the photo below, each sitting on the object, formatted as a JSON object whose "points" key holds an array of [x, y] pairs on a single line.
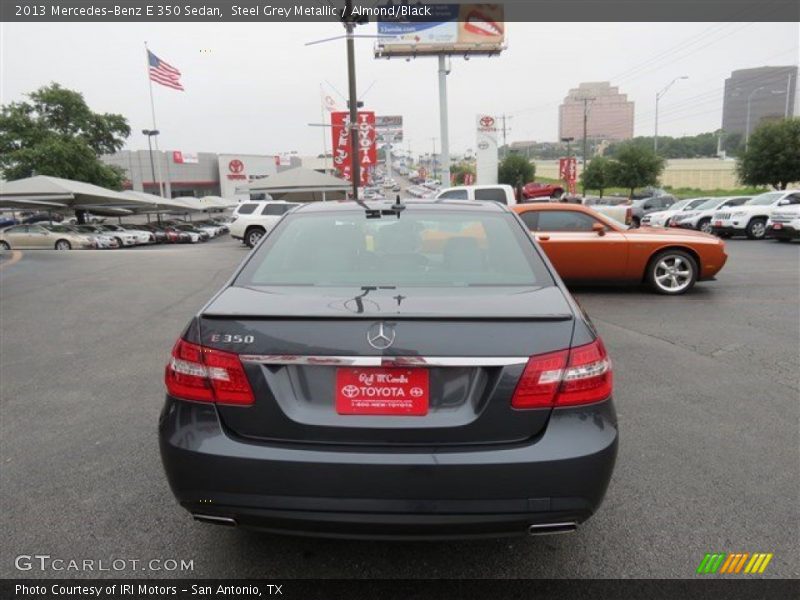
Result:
{"points": [[43, 237]]}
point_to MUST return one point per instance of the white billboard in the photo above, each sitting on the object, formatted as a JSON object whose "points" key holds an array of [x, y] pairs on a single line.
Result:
{"points": [[238, 169], [486, 150]]}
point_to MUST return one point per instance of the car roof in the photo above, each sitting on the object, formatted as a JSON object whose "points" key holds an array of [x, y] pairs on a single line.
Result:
{"points": [[411, 204]]}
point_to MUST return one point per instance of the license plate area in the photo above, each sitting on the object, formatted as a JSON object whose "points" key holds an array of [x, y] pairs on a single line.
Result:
{"points": [[382, 391], [777, 225]]}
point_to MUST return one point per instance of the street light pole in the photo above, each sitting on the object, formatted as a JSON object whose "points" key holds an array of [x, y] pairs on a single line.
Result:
{"points": [[150, 133], [355, 157], [659, 95]]}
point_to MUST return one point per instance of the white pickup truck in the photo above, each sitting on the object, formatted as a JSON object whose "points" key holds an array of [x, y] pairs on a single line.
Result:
{"points": [[504, 194]]}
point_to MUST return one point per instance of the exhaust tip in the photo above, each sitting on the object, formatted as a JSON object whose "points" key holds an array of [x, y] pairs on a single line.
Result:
{"points": [[552, 528], [228, 521]]}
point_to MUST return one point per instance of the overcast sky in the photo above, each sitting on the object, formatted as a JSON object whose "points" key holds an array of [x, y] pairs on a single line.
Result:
{"points": [[254, 88]]}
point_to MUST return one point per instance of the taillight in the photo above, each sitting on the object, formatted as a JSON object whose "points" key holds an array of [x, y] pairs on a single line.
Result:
{"points": [[628, 216], [566, 378], [207, 375]]}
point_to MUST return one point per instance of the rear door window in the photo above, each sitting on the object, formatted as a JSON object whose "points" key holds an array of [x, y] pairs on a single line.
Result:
{"points": [[493, 194], [246, 209], [276, 209]]}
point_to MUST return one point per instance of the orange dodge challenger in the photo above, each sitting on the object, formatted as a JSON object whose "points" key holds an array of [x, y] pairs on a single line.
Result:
{"points": [[585, 246]]}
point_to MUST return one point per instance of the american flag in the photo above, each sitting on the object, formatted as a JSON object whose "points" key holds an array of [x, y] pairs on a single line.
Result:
{"points": [[163, 72]]}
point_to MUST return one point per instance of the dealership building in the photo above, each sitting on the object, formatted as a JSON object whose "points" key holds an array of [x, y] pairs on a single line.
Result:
{"points": [[203, 173]]}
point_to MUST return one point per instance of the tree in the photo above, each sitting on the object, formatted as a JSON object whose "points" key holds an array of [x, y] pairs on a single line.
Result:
{"points": [[516, 170], [598, 174], [635, 167], [56, 133], [772, 156]]}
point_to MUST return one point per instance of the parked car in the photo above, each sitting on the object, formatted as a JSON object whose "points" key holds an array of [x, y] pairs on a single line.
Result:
{"points": [[176, 236], [662, 218], [587, 247], [784, 223], [751, 218], [89, 218], [181, 234], [158, 233], [355, 379], [699, 217], [191, 229], [124, 238], [536, 189], [7, 221], [644, 206], [500, 193], [211, 226], [253, 219], [142, 236], [41, 237]]}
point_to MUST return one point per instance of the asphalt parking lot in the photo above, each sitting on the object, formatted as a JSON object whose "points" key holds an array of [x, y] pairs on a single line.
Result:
{"points": [[706, 391]]}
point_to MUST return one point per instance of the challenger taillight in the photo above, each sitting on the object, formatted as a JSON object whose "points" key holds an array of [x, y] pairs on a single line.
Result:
{"points": [[581, 375], [207, 375]]}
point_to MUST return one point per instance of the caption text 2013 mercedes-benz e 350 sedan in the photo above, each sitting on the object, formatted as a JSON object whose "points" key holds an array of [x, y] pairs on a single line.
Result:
{"points": [[397, 371]]}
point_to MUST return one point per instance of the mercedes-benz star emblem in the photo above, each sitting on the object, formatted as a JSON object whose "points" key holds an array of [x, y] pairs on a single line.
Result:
{"points": [[380, 336]]}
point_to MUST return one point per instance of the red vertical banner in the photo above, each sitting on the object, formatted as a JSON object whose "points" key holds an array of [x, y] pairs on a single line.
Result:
{"points": [[568, 172], [367, 150]]}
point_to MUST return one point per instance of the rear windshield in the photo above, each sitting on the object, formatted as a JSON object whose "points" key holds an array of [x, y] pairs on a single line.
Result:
{"points": [[430, 248]]}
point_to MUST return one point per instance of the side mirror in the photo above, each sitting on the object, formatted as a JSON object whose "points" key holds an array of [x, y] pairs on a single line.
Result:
{"points": [[599, 229], [783, 202]]}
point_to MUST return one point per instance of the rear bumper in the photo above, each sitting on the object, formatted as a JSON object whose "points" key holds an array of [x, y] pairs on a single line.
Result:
{"points": [[784, 233], [559, 477]]}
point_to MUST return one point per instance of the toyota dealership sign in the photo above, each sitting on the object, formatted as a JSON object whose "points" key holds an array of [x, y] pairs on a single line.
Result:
{"points": [[486, 156], [238, 169]]}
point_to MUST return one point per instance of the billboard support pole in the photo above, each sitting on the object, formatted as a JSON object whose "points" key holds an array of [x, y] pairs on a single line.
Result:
{"points": [[443, 127], [355, 166]]}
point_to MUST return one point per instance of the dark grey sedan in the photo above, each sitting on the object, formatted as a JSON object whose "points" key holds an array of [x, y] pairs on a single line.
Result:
{"points": [[412, 371]]}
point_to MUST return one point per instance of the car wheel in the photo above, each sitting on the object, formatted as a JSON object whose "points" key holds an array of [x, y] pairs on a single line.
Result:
{"points": [[557, 193], [635, 223], [672, 272], [63, 245], [4, 246], [253, 235], [119, 241], [705, 226], [756, 229]]}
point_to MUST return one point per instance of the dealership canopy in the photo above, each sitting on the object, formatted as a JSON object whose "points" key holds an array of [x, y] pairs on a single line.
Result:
{"points": [[298, 184], [55, 193]]}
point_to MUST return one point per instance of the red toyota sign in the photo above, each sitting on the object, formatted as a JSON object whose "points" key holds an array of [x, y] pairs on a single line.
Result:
{"points": [[236, 168], [368, 154], [568, 172], [487, 122]]}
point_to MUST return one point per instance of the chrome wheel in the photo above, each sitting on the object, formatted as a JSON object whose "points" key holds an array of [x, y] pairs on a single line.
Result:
{"points": [[706, 227], [4, 247], [62, 245], [673, 273], [758, 229]]}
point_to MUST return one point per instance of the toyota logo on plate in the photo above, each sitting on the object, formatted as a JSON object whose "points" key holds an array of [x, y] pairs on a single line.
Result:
{"points": [[236, 166], [487, 121], [350, 391], [380, 336]]}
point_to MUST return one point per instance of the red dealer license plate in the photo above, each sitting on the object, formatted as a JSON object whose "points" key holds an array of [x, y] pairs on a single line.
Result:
{"points": [[717, 223], [375, 391], [777, 225]]}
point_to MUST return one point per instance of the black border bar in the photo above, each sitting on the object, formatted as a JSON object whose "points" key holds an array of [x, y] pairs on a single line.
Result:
{"points": [[732, 588], [104, 11]]}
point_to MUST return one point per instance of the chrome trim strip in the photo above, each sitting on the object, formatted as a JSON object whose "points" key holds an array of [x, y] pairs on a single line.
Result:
{"points": [[386, 361]]}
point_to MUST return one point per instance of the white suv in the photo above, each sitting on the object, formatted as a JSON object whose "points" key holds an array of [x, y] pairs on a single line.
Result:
{"points": [[750, 219], [699, 217], [784, 224], [252, 219]]}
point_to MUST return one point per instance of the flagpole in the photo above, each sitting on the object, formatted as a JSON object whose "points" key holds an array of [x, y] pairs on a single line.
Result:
{"points": [[324, 134], [155, 127]]}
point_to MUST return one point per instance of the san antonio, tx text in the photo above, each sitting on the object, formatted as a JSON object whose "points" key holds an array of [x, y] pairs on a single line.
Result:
{"points": [[129, 589]]}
